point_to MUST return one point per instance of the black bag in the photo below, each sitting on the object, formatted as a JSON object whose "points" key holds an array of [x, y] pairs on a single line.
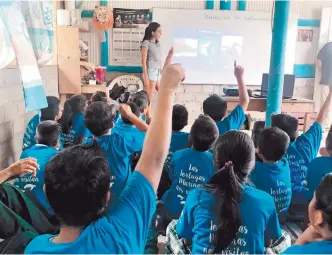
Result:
{"points": [[116, 91]]}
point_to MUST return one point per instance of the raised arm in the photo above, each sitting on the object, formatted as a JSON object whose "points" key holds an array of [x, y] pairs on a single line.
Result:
{"points": [[158, 137], [326, 108], [19, 168], [243, 92], [127, 113], [169, 57]]}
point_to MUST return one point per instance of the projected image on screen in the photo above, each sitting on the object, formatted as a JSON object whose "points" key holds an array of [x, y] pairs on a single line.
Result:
{"points": [[231, 49], [185, 47]]}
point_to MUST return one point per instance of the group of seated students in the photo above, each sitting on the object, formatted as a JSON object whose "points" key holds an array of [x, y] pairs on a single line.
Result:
{"points": [[105, 181]]}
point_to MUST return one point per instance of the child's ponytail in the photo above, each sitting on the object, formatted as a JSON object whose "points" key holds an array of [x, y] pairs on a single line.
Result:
{"points": [[225, 185]]}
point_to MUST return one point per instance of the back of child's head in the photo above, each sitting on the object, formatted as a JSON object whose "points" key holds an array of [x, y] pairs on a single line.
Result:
{"points": [[77, 183], [215, 107], [179, 117], [322, 203], [273, 144], [203, 133], [135, 110], [99, 118], [75, 105], [256, 131], [141, 99], [328, 142], [99, 96], [234, 158], [53, 110], [124, 97], [48, 133], [287, 123]]}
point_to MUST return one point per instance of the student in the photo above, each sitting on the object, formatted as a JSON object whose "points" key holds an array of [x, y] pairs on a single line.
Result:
{"points": [[216, 107], [256, 132], [179, 140], [192, 167], [73, 128], [301, 151], [118, 146], [141, 99], [47, 138], [316, 239], [228, 216], [99, 96], [273, 174], [52, 112], [319, 167], [80, 205]]}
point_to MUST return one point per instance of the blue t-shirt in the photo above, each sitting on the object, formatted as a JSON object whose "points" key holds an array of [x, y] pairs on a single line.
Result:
{"points": [[317, 169], [299, 154], [259, 221], [179, 141], [123, 231], [233, 121], [118, 148], [30, 133], [275, 180], [322, 247], [42, 154], [189, 169], [77, 131]]}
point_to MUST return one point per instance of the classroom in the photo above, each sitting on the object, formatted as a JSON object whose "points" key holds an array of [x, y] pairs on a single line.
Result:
{"points": [[166, 127]]}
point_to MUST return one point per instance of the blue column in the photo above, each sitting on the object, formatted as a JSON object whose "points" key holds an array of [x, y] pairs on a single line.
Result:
{"points": [[104, 45], [277, 62], [241, 5], [209, 4], [225, 5]]}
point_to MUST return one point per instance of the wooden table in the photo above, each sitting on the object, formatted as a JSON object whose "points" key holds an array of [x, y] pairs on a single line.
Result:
{"points": [[304, 106]]}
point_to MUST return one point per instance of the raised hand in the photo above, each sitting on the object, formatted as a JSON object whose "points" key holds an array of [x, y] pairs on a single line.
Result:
{"points": [[238, 71], [172, 77], [23, 167]]}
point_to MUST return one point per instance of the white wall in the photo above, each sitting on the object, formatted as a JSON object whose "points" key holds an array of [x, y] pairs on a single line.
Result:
{"points": [[13, 118]]}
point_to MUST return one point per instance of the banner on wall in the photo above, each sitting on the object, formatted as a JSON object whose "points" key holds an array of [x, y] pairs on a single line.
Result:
{"points": [[128, 31], [14, 23]]}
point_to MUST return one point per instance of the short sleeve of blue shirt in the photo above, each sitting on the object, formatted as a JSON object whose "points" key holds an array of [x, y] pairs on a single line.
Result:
{"points": [[136, 206], [233, 121], [309, 142]]}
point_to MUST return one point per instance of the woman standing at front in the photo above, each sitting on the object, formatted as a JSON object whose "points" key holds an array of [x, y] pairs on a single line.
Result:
{"points": [[151, 58]]}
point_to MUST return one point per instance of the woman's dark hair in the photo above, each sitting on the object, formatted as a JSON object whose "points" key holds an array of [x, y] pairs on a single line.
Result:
{"points": [[324, 199], [153, 26], [234, 158], [76, 104]]}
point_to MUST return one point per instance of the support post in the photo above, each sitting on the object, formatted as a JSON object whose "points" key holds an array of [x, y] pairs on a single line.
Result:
{"points": [[277, 62], [209, 4]]}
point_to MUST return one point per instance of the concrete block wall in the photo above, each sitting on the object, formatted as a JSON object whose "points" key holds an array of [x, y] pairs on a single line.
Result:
{"points": [[13, 118]]}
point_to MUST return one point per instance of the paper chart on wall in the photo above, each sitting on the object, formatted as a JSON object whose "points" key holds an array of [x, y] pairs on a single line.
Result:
{"points": [[128, 32]]}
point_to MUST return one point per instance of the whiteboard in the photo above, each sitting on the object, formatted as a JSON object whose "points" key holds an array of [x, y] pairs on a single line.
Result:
{"points": [[207, 42]]}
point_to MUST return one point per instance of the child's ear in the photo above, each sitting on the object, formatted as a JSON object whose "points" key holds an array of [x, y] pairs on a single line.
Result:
{"points": [[44, 189], [108, 195], [257, 150], [323, 152], [112, 124]]}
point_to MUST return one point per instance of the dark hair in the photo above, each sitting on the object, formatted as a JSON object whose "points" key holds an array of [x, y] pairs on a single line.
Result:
{"points": [[152, 27], [124, 97], [99, 118], [141, 99], [256, 131], [99, 96], [273, 143], [234, 158], [77, 181], [179, 117], [48, 133], [329, 142], [215, 107], [135, 109], [76, 104], [52, 109], [287, 123], [203, 133], [323, 196]]}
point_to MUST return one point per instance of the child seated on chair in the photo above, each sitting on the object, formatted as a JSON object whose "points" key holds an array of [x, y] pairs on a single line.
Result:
{"points": [[179, 140], [142, 100], [73, 128], [52, 112], [47, 137], [216, 107], [273, 174], [301, 151]]}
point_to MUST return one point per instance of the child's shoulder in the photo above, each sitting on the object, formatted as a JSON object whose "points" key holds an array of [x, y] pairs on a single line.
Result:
{"points": [[258, 196]]}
